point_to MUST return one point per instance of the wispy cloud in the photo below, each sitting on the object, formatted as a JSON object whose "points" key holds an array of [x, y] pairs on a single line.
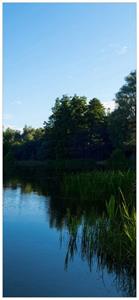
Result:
{"points": [[122, 50], [115, 48], [118, 49], [16, 102]]}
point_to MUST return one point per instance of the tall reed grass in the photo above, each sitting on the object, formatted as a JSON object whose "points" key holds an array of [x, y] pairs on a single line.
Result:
{"points": [[97, 187], [111, 237]]}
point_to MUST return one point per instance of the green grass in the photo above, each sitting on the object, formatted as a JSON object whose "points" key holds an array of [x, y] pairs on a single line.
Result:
{"points": [[97, 187]]}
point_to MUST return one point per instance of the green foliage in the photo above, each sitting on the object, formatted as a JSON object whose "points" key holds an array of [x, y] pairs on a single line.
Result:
{"points": [[126, 97], [110, 237], [97, 187], [9, 161], [96, 112], [28, 133], [118, 160], [9, 135], [79, 129], [75, 127], [9, 157], [122, 121], [111, 210]]}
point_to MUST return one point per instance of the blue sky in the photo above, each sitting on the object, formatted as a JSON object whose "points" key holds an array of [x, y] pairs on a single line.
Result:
{"points": [[55, 49]]}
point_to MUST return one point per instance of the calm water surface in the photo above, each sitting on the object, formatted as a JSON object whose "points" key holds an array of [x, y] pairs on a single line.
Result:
{"points": [[35, 247]]}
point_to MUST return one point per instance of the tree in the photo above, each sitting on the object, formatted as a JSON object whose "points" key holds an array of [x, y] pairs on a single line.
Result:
{"points": [[64, 125], [28, 133], [10, 137], [97, 131], [58, 128], [126, 97], [77, 129], [122, 122]]}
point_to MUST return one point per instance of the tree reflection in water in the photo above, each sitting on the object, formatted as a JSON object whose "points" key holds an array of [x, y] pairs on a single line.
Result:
{"points": [[89, 233]]}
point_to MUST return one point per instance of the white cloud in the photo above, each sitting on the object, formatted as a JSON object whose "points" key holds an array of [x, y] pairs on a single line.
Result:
{"points": [[109, 105]]}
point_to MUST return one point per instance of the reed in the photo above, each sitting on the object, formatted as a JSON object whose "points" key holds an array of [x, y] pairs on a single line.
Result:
{"points": [[97, 187], [111, 237]]}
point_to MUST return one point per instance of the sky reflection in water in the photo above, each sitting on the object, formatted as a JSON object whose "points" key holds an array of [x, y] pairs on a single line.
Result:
{"points": [[34, 258]]}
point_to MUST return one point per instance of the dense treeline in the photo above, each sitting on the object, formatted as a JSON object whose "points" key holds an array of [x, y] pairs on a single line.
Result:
{"points": [[80, 129]]}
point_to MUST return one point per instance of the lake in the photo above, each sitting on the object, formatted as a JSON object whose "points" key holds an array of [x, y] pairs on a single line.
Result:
{"points": [[40, 257]]}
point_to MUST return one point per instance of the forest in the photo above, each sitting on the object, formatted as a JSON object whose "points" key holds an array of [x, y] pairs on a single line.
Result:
{"points": [[80, 132]]}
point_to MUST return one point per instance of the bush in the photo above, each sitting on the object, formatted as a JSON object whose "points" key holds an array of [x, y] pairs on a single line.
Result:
{"points": [[118, 160]]}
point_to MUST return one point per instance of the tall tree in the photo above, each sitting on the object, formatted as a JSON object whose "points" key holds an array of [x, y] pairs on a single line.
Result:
{"points": [[96, 120], [65, 124], [58, 128], [122, 121], [28, 133]]}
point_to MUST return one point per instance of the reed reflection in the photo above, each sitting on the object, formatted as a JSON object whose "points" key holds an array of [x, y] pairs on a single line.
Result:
{"points": [[100, 235]]}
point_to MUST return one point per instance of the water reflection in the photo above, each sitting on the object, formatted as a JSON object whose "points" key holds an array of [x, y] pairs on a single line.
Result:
{"points": [[78, 227], [86, 239]]}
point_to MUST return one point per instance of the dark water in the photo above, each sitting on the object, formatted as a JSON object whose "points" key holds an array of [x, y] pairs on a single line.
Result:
{"points": [[36, 241]]}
